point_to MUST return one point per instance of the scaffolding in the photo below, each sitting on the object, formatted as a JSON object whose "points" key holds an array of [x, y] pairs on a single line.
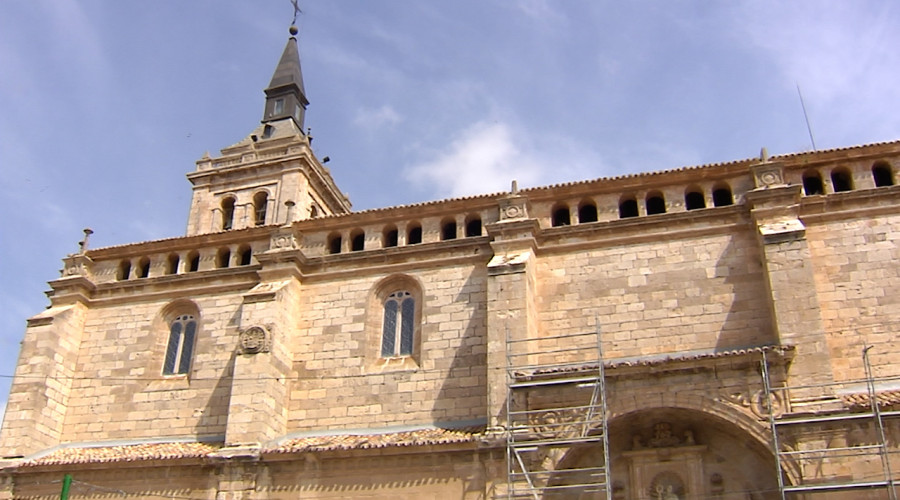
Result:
{"points": [[825, 406], [539, 431]]}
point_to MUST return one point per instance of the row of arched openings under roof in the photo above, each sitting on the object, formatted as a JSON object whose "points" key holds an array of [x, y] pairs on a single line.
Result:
{"points": [[654, 203], [260, 207], [842, 179], [390, 234], [127, 270]]}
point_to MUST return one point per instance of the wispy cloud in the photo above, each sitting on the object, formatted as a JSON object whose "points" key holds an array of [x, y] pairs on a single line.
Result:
{"points": [[540, 10], [834, 54], [377, 117], [488, 155]]}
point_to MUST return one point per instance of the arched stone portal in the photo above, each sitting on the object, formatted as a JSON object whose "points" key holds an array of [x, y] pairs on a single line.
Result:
{"points": [[672, 453]]}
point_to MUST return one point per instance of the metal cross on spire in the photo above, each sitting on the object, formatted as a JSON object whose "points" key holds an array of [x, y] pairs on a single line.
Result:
{"points": [[297, 11]]}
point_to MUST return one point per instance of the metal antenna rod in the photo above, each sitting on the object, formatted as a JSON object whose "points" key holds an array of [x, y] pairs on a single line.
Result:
{"points": [[806, 117]]}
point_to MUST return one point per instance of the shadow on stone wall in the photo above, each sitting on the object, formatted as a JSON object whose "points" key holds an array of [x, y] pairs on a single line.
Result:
{"points": [[214, 415], [462, 395], [748, 320]]}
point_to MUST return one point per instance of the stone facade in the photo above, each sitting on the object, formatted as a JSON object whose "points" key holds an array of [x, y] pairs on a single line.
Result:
{"points": [[339, 354]]}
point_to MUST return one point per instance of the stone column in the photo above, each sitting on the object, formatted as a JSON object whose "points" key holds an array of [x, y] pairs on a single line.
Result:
{"points": [[510, 295], [794, 304]]}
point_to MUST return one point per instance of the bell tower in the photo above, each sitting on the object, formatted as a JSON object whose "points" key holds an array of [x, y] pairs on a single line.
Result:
{"points": [[272, 176], [285, 97]]}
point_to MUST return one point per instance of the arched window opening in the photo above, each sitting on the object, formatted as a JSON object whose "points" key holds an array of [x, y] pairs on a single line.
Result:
{"points": [[143, 270], [841, 180], [628, 207], [357, 241], [561, 216], [448, 229], [227, 213], [245, 253], [414, 235], [180, 347], [473, 227], [172, 262], [260, 205], [694, 200], [334, 244], [193, 262], [124, 271], [313, 212], [399, 325], [656, 204], [223, 258], [812, 183], [587, 212], [882, 174], [390, 237], [722, 196]]}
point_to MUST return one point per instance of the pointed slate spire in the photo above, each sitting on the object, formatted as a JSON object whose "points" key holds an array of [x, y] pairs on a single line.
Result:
{"points": [[285, 97]]}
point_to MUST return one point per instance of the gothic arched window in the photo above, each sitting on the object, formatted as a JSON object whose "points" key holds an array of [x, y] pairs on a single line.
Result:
{"points": [[399, 325], [180, 347]]}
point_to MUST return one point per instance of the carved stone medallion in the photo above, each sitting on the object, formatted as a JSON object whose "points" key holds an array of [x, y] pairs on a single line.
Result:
{"points": [[254, 340], [768, 175]]}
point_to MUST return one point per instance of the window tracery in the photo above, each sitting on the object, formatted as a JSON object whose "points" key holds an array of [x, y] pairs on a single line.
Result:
{"points": [[180, 347]]}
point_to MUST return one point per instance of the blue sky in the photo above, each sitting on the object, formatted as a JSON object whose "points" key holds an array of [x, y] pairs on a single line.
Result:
{"points": [[105, 105]]}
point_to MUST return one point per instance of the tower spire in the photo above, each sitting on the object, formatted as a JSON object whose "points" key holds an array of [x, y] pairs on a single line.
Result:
{"points": [[285, 96]]}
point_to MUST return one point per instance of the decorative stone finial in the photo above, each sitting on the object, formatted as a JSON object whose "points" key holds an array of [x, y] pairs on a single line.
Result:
{"points": [[763, 155], [82, 245], [515, 187], [290, 207]]}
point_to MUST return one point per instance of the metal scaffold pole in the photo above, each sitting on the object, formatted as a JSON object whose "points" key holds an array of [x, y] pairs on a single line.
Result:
{"points": [[839, 405], [764, 367], [879, 424], [549, 414]]}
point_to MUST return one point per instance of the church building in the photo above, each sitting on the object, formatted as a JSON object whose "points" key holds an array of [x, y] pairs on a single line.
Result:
{"points": [[725, 331]]}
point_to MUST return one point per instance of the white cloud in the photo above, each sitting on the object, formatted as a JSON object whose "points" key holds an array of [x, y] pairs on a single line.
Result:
{"points": [[488, 155], [541, 10], [842, 55], [380, 117], [482, 159]]}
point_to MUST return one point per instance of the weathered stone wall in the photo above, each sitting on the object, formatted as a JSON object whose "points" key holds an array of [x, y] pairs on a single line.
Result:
{"points": [[146, 482], [119, 372], [858, 284], [667, 295], [343, 382], [40, 396]]}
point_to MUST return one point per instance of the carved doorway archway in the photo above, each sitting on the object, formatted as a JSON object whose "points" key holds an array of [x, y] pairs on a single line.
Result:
{"points": [[679, 454]]}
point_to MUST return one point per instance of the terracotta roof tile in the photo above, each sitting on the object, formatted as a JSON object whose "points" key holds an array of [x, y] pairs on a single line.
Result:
{"points": [[422, 437], [861, 399], [655, 360], [125, 453]]}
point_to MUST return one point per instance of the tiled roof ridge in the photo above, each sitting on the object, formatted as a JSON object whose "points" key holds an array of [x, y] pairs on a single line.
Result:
{"points": [[418, 437], [656, 360], [98, 454], [694, 356], [860, 400], [124, 453], [709, 165], [182, 237], [609, 178], [532, 189]]}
